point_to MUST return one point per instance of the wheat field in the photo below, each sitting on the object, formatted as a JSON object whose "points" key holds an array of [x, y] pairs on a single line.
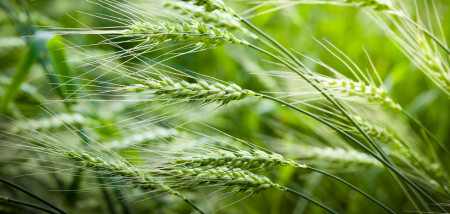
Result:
{"points": [[224, 106]]}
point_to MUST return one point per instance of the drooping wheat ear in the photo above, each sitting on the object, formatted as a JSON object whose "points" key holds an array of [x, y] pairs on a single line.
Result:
{"points": [[119, 169], [216, 18], [156, 133], [193, 91], [241, 180], [55, 122], [211, 5], [350, 88], [378, 5], [257, 160], [195, 31], [339, 155]]}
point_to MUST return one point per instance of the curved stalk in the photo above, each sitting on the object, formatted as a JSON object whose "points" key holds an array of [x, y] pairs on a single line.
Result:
{"points": [[193, 205], [353, 187], [26, 204], [32, 195], [310, 200]]}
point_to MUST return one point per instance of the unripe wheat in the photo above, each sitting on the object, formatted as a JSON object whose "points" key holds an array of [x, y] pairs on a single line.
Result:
{"points": [[192, 91]]}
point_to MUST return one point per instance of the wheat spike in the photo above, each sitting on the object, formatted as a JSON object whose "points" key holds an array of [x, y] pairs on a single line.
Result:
{"points": [[197, 31], [192, 91]]}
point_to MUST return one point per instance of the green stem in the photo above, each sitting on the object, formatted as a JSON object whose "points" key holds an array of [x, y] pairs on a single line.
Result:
{"points": [[123, 203], [309, 199], [32, 195], [106, 195], [26, 204], [193, 205], [351, 186]]}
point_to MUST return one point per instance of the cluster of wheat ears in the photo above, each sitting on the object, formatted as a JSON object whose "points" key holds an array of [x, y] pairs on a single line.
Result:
{"points": [[128, 122]]}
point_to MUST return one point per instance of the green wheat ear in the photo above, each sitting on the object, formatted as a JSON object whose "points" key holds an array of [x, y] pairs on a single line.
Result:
{"points": [[192, 91], [350, 88], [195, 31], [256, 160], [241, 180]]}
